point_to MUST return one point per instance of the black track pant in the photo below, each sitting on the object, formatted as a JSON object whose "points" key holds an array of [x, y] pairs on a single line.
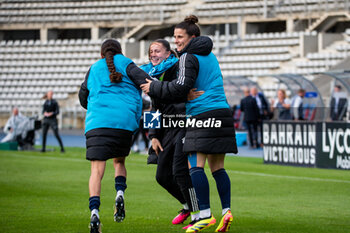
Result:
{"points": [[172, 170], [54, 126], [252, 127]]}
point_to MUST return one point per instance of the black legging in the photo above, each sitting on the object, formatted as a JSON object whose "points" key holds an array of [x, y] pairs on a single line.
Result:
{"points": [[172, 169], [54, 126]]}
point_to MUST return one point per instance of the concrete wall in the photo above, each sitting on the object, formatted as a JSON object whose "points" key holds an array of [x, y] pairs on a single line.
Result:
{"points": [[131, 49], [3, 119], [325, 39], [344, 65], [308, 44]]}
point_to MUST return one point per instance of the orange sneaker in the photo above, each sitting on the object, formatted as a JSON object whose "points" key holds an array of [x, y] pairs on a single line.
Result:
{"points": [[225, 222], [201, 225]]}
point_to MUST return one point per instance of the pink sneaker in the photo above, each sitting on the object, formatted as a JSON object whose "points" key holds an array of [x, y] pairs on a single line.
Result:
{"points": [[190, 224], [181, 217]]}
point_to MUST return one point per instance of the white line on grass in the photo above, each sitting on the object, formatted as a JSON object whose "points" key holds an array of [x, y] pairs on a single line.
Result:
{"points": [[288, 177], [46, 157], [230, 171]]}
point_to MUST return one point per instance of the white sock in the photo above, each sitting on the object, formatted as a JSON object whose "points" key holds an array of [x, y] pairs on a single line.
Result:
{"points": [[95, 211], [185, 206], [120, 193], [194, 216], [205, 213], [224, 211]]}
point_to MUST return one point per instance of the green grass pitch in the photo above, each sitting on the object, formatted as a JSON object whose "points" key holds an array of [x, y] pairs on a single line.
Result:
{"points": [[48, 192]]}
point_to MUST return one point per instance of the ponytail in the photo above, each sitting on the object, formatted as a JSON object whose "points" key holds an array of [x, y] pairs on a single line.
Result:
{"points": [[110, 48], [190, 25]]}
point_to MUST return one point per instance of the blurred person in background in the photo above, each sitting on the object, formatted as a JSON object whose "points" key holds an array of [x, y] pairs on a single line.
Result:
{"points": [[251, 117], [262, 103], [297, 108], [50, 111], [282, 105], [16, 128], [146, 106], [264, 111], [338, 105]]}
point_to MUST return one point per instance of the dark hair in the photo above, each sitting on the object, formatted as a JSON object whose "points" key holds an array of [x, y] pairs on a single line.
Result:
{"points": [[190, 25], [109, 48], [338, 86], [164, 43]]}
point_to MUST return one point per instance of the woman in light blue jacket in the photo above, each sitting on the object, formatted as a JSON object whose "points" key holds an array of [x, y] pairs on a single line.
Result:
{"points": [[112, 97]]}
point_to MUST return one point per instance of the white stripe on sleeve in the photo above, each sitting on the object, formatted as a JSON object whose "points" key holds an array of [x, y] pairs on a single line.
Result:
{"points": [[181, 79]]}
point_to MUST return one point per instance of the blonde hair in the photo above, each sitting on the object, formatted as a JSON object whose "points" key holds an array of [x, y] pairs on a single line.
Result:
{"points": [[283, 92]]}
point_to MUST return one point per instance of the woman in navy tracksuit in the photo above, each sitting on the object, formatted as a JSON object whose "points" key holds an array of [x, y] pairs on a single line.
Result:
{"points": [[112, 97], [172, 169], [199, 68]]}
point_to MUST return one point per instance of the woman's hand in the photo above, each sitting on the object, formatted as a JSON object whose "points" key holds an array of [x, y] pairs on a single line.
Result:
{"points": [[48, 114], [193, 94], [145, 87], [287, 106], [156, 146]]}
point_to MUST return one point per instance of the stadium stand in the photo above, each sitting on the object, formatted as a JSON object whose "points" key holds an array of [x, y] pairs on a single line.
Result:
{"points": [[257, 54], [217, 8], [29, 68], [42, 45], [85, 11]]}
